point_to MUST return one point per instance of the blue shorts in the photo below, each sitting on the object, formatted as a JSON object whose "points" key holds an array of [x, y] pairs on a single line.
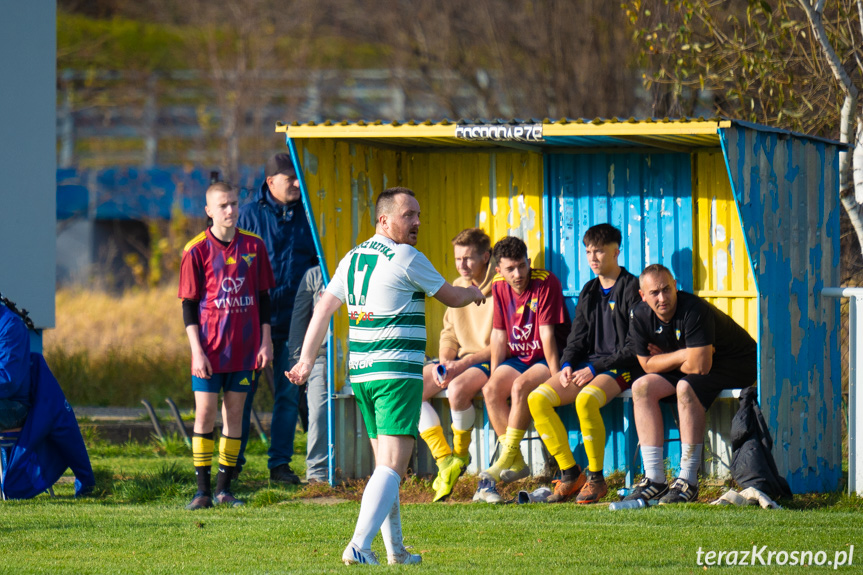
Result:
{"points": [[231, 381], [520, 366], [485, 367], [622, 378]]}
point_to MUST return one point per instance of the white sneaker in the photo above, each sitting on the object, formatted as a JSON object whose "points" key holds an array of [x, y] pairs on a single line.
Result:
{"points": [[354, 555], [404, 557], [486, 491]]}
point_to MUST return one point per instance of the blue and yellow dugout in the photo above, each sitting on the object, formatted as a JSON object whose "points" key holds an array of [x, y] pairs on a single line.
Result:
{"points": [[745, 215]]}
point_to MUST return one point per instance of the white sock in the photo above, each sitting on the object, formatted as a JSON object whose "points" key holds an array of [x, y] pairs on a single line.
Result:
{"points": [[654, 466], [690, 461], [464, 420], [391, 530], [428, 417], [381, 491]]}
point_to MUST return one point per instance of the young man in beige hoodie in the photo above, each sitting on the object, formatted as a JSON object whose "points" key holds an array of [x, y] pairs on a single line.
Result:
{"points": [[464, 363]]}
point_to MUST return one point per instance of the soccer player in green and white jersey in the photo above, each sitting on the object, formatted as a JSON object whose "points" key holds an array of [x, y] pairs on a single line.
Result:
{"points": [[384, 281]]}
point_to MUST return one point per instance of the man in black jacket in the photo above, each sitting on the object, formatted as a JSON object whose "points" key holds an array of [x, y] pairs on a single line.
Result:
{"points": [[596, 366], [690, 350], [278, 216]]}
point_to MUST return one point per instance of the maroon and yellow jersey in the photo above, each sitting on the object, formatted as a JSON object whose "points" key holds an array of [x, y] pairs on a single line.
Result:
{"points": [[226, 280], [520, 315]]}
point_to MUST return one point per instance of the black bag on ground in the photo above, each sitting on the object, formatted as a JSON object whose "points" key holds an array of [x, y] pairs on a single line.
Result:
{"points": [[752, 463]]}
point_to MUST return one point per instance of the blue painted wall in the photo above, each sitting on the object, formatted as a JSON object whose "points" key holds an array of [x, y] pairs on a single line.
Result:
{"points": [[787, 192], [648, 197], [138, 193]]}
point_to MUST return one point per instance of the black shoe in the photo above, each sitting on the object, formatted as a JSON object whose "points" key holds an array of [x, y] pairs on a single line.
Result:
{"points": [[200, 501], [235, 473], [681, 491], [227, 498], [647, 490], [283, 474]]}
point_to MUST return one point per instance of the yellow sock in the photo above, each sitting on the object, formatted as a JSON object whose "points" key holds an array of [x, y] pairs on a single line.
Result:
{"points": [[229, 450], [587, 405], [202, 451], [461, 441], [436, 441], [542, 402], [513, 438]]}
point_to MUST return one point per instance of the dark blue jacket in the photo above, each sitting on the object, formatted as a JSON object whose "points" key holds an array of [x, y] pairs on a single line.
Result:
{"points": [[286, 233], [50, 441], [14, 357]]}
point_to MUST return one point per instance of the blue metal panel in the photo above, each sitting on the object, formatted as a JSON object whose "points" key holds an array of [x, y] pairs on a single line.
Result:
{"points": [[786, 190], [137, 193], [649, 198]]}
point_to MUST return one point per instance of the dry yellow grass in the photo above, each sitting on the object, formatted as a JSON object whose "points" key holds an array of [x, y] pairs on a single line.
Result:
{"points": [[148, 321]]}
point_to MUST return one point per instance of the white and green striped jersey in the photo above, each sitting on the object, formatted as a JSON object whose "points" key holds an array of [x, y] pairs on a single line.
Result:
{"points": [[385, 285]]}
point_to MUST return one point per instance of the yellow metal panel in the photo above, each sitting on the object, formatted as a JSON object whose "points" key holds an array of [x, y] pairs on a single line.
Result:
{"points": [[342, 181], [722, 274], [446, 130], [635, 128], [499, 192]]}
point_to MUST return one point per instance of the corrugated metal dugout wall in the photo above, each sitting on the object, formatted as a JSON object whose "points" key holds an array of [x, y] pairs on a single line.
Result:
{"points": [[786, 190], [666, 185]]}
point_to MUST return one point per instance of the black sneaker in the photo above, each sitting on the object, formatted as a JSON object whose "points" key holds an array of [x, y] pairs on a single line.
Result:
{"points": [[200, 501], [227, 498], [283, 474], [681, 491], [647, 490]]}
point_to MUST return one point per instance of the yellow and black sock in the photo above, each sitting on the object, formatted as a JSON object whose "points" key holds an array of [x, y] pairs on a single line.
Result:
{"points": [[202, 458], [587, 404], [542, 402], [229, 451]]}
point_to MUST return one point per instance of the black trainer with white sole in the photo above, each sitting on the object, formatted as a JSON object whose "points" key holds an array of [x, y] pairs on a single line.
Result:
{"points": [[681, 491], [647, 490]]}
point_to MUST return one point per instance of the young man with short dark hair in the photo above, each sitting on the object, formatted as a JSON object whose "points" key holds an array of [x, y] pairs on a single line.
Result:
{"points": [[529, 326], [597, 365]]}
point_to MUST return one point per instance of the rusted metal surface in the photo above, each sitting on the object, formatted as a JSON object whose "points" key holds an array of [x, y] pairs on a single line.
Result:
{"points": [[786, 190], [722, 272]]}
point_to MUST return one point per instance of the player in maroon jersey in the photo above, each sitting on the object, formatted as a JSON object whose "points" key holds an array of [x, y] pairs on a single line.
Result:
{"points": [[528, 330], [224, 277]]}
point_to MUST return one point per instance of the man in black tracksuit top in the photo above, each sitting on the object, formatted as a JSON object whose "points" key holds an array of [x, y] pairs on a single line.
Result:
{"points": [[690, 350], [596, 366]]}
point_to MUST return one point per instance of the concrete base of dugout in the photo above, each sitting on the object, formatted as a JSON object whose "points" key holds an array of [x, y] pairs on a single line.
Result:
{"points": [[354, 457]]}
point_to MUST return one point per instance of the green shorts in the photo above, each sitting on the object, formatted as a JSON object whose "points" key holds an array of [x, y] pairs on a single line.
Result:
{"points": [[390, 406]]}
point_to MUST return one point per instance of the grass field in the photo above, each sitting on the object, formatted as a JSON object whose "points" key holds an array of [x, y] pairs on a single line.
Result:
{"points": [[137, 524], [109, 350]]}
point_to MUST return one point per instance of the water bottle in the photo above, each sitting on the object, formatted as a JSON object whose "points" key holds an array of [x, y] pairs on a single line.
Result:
{"points": [[440, 372], [624, 492], [632, 504]]}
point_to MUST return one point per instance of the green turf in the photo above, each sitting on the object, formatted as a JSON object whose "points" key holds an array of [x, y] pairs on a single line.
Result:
{"points": [[137, 524]]}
